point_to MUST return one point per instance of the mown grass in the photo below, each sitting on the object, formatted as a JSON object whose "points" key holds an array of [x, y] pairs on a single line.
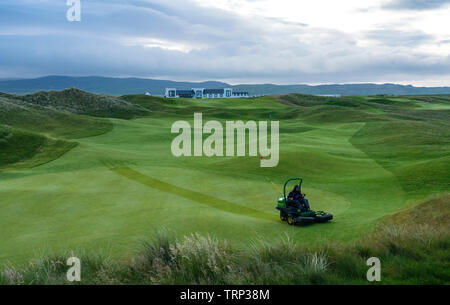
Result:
{"points": [[360, 160], [410, 251]]}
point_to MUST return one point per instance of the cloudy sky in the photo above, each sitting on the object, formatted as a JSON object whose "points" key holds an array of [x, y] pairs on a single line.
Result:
{"points": [[238, 41]]}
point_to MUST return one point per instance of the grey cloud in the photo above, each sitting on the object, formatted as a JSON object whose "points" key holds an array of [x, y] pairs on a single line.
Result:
{"points": [[395, 38], [415, 4], [231, 47]]}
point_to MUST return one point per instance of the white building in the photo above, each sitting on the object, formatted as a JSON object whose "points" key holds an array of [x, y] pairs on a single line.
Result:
{"points": [[202, 93]]}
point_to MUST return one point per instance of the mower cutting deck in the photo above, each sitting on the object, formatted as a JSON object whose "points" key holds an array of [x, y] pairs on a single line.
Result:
{"points": [[293, 212]]}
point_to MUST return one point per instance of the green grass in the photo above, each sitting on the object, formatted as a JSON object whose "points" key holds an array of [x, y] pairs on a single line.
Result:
{"points": [[361, 159], [20, 149], [49, 122], [32, 135], [413, 247], [80, 102]]}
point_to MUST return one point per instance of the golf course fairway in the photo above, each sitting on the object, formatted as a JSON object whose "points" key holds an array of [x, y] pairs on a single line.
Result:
{"points": [[115, 189]]}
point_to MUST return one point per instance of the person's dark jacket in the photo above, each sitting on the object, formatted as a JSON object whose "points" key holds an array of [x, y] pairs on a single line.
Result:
{"points": [[295, 195]]}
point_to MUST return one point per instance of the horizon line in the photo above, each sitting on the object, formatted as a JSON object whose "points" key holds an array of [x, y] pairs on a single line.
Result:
{"points": [[3, 79]]}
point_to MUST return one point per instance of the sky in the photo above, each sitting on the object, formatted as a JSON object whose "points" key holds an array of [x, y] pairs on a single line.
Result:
{"points": [[236, 41]]}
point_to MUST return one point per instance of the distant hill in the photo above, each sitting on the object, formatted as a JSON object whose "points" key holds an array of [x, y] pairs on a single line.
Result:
{"points": [[104, 85], [345, 90], [122, 86]]}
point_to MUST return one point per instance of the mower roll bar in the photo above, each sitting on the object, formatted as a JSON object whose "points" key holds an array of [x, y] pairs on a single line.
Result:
{"points": [[293, 179]]}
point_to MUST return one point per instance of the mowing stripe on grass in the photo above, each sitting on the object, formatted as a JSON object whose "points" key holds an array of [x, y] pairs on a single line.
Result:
{"points": [[205, 199], [275, 186]]}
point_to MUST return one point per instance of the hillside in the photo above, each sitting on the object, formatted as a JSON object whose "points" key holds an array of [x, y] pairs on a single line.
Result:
{"points": [[34, 129], [344, 90], [19, 149], [39, 119], [80, 102], [121, 86], [103, 85]]}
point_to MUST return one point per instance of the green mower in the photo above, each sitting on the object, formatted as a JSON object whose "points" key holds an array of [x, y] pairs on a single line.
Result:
{"points": [[298, 211]]}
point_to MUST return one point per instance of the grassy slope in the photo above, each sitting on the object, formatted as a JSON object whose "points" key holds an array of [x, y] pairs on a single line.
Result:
{"points": [[80, 102], [413, 247], [19, 149], [113, 189], [49, 122], [38, 134], [413, 144], [37, 119]]}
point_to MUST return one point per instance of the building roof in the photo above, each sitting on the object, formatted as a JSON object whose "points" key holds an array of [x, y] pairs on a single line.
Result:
{"points": [[185, 91], [213, 91]]}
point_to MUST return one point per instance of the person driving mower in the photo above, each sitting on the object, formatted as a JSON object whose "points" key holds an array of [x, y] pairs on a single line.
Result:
{"points": [[294, 208], [296, 197]]}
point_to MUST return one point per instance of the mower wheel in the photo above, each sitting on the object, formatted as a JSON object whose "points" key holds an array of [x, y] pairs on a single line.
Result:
{"points": [[290, 220], [283, 216]]}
